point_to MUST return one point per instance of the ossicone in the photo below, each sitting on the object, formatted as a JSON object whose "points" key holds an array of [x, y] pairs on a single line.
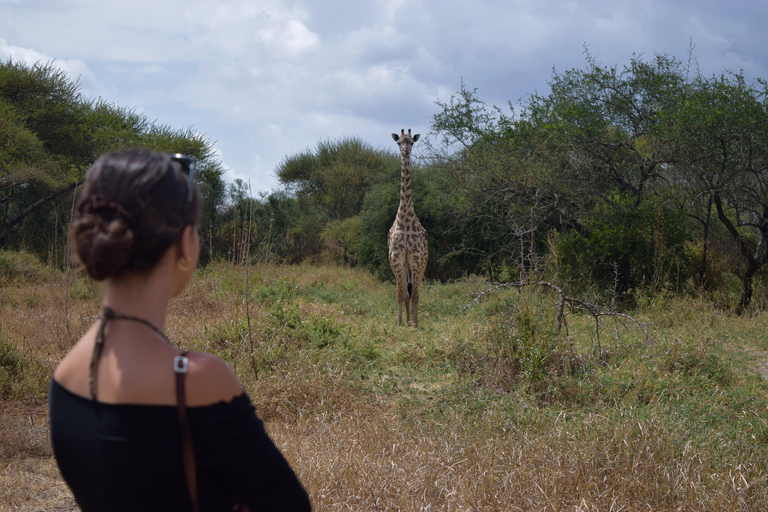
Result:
{"points": [[413, 138]]}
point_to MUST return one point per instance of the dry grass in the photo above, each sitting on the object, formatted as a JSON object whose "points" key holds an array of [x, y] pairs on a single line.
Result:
{"points": [[33, 484], [366, 461], [375, 417]]}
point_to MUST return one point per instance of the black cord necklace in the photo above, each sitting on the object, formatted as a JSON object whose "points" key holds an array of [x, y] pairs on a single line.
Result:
{"points": [[106, 314]]}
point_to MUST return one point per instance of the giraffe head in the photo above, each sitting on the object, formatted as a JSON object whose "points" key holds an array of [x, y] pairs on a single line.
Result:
{"points": [[405, 141]]}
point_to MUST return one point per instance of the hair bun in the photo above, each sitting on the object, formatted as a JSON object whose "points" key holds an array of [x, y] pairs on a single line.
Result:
{"points": [[102, 207], [104, 236]]}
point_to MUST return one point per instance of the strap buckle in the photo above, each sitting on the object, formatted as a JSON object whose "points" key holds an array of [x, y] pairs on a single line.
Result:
{"points": [[180, 364]]}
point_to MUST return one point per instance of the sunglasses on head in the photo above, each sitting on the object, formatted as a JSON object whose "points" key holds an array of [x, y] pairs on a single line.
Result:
{"points": [[188, 165]]}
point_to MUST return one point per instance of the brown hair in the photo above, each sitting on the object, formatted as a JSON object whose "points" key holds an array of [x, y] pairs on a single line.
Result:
{"points": [[133, 206]]}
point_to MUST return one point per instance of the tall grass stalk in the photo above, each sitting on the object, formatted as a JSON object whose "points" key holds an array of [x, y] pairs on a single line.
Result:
{"points": [[246, 290]]}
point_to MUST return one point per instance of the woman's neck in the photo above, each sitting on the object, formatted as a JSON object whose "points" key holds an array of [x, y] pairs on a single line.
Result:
{"points": [[140, 296]]}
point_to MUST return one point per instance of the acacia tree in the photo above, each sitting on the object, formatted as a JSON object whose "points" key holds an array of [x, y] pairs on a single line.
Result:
{"points": [[334, 177], [609, 119], [50, 135], [581, 159], [330, 183], [721, 137], [614, 157], [609, 122], [35, 104]]}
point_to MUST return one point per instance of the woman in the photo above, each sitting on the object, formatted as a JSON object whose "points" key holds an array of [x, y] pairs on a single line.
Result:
{"points": [[114, 419]]}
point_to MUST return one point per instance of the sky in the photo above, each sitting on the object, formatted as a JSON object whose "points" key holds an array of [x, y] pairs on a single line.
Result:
{"points": [[264, 80]]}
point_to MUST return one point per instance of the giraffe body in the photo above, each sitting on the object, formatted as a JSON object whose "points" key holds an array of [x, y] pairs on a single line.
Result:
{"points": [[407, 240]]}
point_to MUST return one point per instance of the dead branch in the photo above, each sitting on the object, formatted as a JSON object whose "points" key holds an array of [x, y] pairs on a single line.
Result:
{"points": [[574, 304]]}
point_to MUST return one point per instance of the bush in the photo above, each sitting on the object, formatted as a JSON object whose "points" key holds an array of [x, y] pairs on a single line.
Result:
{"points": [[21, 265], [21, 376], [627, 248], [523, 345], [341, 238]]}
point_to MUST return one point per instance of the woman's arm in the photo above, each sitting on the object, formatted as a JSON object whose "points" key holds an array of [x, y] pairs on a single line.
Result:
{"points": [[231, 441]]}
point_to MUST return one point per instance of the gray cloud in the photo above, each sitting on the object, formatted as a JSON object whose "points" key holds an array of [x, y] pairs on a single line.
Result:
{"points": [[264, 79]]}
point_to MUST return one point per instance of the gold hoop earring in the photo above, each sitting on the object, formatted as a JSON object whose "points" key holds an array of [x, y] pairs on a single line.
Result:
{"points": [[184, 264]]}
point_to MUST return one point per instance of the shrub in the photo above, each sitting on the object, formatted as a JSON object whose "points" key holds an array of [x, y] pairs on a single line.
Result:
{"points": [[21, 265], [627, 248], [522, 345]]}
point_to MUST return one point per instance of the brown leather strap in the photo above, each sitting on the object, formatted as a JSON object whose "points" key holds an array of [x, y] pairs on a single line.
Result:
{"points": [[180, 365]]}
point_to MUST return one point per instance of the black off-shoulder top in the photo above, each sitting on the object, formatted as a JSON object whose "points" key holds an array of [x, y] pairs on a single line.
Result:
{"points": [[121, 457]]}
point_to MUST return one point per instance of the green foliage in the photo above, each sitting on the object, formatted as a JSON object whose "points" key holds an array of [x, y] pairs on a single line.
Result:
{"points": [[379, 211], [21, 375], [721, 142], [328, 186], [626, 248], [21, 266], [342, 237], [283, 230], [50, 134], [613, 159], [505, 186], [334, 177]]}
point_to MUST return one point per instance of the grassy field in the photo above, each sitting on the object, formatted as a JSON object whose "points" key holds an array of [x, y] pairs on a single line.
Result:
{"points": [[486, 408]]}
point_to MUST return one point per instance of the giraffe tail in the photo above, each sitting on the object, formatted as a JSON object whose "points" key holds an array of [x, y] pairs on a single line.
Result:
{"points": [[410, 282]]}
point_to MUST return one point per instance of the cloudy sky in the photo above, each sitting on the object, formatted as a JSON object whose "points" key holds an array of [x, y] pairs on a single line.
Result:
{"points": [[266, 79]]}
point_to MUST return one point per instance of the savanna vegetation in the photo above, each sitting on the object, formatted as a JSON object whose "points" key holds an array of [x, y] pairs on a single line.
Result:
{"points": [[592, 325]]}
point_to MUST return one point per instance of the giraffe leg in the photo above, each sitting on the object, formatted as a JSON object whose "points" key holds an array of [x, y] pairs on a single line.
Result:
{"points": [[417, 277], [402, 297], [401, 300], [408, 312], [415, 304], [398, 264]]}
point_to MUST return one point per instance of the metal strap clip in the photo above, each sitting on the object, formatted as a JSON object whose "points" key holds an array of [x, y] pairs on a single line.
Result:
{"points": [[180, 364]]}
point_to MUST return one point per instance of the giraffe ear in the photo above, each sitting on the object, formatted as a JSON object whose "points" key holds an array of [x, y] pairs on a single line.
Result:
{"points": [[395, 136], [416, 137]]}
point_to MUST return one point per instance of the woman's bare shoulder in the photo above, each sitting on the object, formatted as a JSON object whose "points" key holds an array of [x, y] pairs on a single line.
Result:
{"points": [[210, 380], [72, 370]]}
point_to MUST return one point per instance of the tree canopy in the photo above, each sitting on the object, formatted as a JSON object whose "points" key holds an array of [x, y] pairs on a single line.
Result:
{"points": [[49, 136], [620, 177], [623, 163]]}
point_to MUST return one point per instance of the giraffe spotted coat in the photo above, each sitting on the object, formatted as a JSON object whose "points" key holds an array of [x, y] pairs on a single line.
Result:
{"points": [[407, 239]]}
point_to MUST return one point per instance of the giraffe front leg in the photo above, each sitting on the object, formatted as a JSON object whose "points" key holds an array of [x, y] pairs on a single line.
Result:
{"points": [[415, 306], [402, 299], [408, 312], [397, 261], [419, 275]]}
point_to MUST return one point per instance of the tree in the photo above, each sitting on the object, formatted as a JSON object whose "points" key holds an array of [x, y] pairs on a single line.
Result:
{"points": [[329, 184], [609, 123], [588, 150], [496, 184], [335, 176], [50, 135], [721, 137], [35, 104]]}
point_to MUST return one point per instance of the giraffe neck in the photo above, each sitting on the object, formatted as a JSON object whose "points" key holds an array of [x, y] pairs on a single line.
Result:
{"points": [[406, 200]]}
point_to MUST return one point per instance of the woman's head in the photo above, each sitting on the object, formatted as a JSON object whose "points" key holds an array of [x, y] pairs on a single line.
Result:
{"points": [[134, 205]]}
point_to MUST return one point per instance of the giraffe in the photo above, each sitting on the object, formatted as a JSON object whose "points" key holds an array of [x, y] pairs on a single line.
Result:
{"points": [[407, 239]]}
